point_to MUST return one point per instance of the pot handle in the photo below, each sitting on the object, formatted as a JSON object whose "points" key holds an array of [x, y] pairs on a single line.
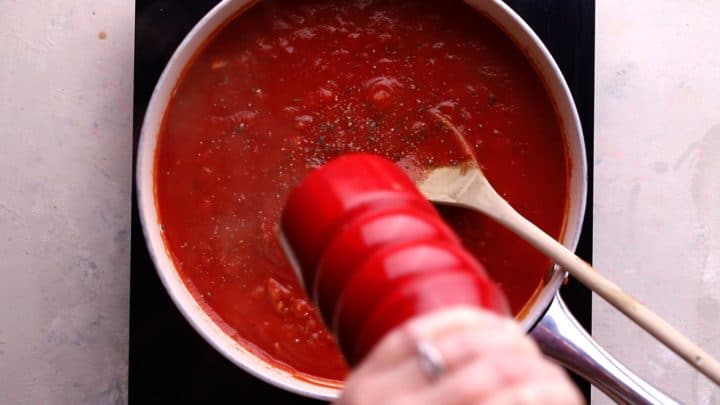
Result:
{"points": [[561, 337]]}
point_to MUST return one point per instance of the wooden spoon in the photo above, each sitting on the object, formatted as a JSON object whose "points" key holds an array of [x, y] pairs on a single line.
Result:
{"points": [[465, 185]]}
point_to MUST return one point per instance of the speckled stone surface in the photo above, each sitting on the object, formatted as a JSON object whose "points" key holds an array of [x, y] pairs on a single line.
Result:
{"points": [[657, 180], [65, 123]]}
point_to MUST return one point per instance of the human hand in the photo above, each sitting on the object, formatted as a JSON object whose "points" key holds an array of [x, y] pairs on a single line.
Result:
{"points": [[458, 356]]}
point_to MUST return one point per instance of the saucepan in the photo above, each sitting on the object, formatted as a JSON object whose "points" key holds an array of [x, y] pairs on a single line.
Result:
{"points": [[546, 318]]}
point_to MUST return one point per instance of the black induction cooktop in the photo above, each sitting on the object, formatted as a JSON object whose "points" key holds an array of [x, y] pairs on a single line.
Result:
{"points": [[169, 361]]}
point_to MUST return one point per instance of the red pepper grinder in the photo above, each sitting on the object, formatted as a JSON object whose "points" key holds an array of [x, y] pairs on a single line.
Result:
{"points": [[372, 252]]}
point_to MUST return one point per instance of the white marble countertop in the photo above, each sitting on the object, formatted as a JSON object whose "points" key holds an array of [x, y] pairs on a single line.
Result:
{"points": [[657, 180], [65, 122], [65, 119]]}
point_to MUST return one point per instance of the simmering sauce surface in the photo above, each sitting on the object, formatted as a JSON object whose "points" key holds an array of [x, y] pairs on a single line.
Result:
{"points": [[290, 84]]}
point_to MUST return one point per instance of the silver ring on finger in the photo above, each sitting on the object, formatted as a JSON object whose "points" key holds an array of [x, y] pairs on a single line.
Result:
{"points": [[431, 359]]}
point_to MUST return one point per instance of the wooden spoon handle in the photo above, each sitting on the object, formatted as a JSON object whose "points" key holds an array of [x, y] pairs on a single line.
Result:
{"points": [[496, 207]]}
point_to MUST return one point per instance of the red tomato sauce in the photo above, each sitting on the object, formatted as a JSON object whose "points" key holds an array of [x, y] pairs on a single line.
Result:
{"points": [[290, 84]]}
